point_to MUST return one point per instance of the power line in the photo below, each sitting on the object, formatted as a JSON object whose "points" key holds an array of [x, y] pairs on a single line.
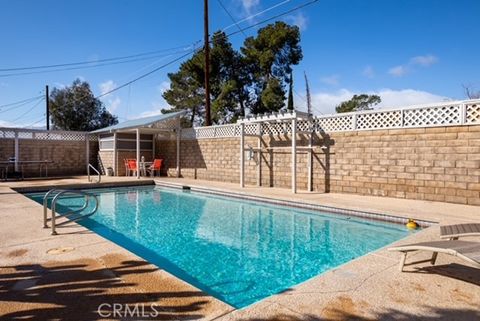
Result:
{"points": [[188, 53], [87, 67], [96, 61], [145, 75], [257, 14], [18, 106], [35, 105], [231, 17], [303, 5], [24, 101], [38, 121]]}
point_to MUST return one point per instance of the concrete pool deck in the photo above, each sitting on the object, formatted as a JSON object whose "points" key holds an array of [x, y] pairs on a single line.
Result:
{"points": [[67, 277]]}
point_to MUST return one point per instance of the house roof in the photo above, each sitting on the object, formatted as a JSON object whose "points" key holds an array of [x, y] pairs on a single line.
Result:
{"points": [[145, 122]]}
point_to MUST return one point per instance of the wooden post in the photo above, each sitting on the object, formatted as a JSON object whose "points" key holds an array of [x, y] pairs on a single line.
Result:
{"points": [[208, 120], [242, 155], [294, 155], [138, 152]]}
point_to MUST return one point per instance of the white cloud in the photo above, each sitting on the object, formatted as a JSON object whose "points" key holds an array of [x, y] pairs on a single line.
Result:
{"points": [[425, 61], [368, 71], [113, 104], [106, 86], [249, 5], [398, 71], [298, 20], [325, 102], [332, 80], [164, 86]]}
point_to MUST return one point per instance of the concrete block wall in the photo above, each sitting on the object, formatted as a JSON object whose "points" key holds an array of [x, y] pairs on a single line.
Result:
{"points": [[438, 163], [69, 157]]}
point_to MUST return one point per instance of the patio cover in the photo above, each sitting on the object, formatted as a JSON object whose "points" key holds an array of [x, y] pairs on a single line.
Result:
{"points": [[147, 125]]}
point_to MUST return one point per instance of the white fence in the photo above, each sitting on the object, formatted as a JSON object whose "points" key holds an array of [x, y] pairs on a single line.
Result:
{"points": [[456, 113], [41, 134]]}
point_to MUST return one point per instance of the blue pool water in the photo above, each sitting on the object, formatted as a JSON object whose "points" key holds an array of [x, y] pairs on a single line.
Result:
{"points": [[236, 250]]}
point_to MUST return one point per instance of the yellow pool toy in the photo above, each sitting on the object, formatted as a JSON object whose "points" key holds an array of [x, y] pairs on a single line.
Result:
{"points": [[412, 225]]}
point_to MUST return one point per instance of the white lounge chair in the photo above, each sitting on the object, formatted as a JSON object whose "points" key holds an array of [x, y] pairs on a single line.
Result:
{"points": [[468, 251], [453, 232]]}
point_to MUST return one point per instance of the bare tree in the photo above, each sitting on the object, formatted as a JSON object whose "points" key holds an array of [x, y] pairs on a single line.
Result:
{"points": [[471, 92]]}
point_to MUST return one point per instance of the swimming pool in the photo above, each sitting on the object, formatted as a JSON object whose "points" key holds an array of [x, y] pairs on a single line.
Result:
{"points": [[236, 250]]}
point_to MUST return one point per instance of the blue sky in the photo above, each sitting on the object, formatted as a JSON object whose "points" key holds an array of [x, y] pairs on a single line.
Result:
{"points": [[409, 52]]}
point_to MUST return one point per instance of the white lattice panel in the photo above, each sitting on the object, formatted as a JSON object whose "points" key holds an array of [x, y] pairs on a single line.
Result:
{"points": [[303, 125], [225, 131], [7, 133], [387, 119], [333, 124], [251, 129], [473, 113], [432, 116], [204, 132], [44, 134], [273, 129]]}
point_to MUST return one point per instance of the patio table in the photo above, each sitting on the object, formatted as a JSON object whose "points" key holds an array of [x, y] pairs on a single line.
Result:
{"points": [[143, 167], [42, 163]]}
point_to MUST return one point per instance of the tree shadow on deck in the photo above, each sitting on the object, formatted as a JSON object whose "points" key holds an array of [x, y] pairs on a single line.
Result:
{"points": [[75, 290], [434, 314]]}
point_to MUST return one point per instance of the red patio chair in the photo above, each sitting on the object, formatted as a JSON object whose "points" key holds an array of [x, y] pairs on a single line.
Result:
{"points": [[156, 166], [132, 166]]}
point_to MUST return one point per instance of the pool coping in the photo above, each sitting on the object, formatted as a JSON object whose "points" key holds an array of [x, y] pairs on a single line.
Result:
{"points": [[302, 205], [75, 186]]}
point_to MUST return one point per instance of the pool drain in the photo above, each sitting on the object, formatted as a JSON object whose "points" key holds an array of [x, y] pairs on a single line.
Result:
{"points": [[60, 250]]}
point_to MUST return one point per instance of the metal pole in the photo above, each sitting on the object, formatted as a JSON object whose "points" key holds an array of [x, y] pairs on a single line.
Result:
{"points": [[208, 120], [242, 155], [294, 155], [17, 151], [259, 154], [138, 152], [310, 162], [87, 154], [115, 173], [179, 133], [47, 107]]}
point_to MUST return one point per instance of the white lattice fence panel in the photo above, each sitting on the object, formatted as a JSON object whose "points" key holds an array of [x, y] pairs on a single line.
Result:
{"points": [[225, 131], [432, 116], [386, 119], [333, 124], [251, 129], [273, 129], [7, 133], [473, 114], [303, 125], [204, 132]]}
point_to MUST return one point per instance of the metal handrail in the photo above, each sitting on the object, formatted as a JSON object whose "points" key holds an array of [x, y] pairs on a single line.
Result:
{"points": [[96, 171], [45, 206], [54, 204]]}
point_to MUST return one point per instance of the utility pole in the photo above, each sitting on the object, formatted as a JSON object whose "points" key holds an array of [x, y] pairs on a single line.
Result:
{"points": [[208, 118], [47, 106], [309, 98]]}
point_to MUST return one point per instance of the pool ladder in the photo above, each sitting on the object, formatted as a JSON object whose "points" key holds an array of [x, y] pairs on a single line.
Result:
{"points": [[57, 194]]}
